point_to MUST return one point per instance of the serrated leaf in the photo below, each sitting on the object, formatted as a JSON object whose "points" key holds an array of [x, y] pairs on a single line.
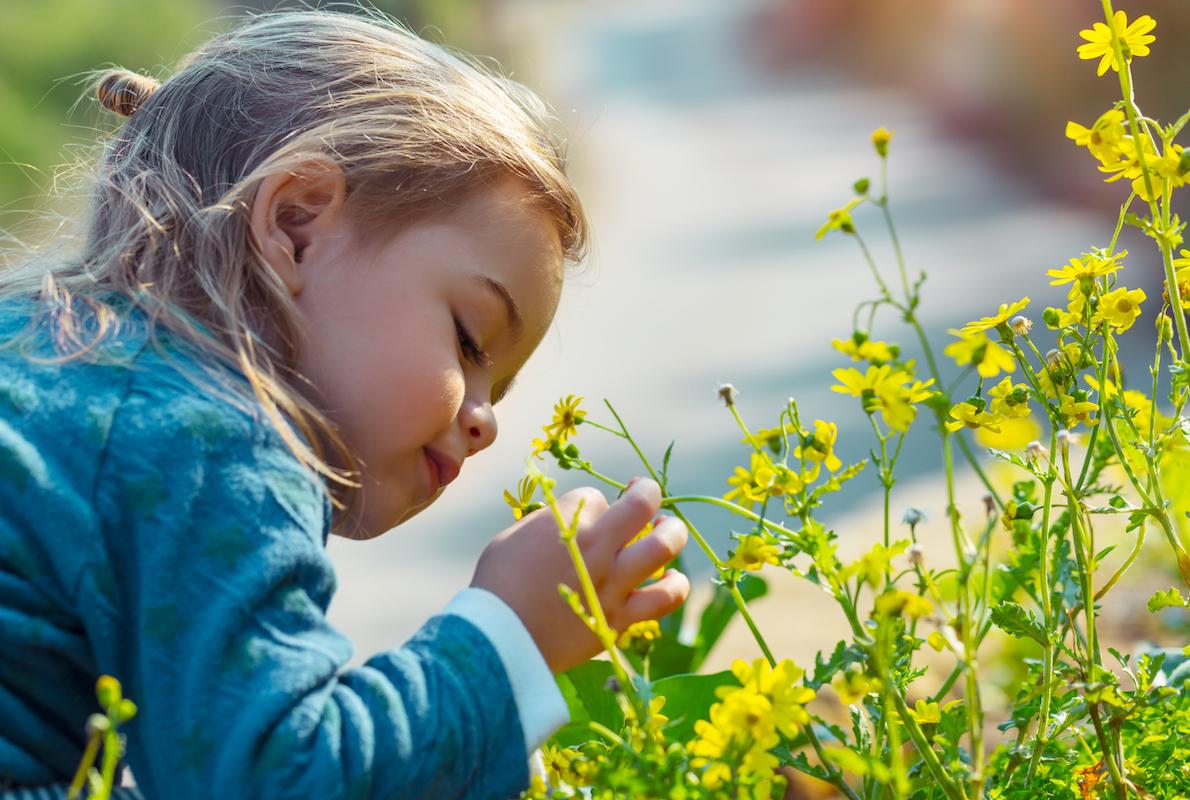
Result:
{"points": [[840, 659], [1170, 599], [1018, 622]]}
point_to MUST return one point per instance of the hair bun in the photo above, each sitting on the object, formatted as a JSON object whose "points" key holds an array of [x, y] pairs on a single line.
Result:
{"points": [[124, 92]]}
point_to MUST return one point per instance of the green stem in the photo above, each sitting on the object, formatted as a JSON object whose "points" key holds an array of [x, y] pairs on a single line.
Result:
{"points": [[80, 775]]}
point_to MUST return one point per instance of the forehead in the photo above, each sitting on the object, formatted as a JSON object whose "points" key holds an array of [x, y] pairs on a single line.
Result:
{"points": [[513, 241]]}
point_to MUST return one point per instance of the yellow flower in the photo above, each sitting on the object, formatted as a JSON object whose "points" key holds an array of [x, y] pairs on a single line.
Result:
{"points": [[773, 438], [988, 357], [639, 636], [567, 417], [1001, 317], [522, 503], [1086, 267], [880, 139], [968, 415], [1135, 39], [820, 447], [654, 726], [898, 601], [925, 712], [1183, 263], [1009, 400], [874, 352], [1076, 411], [777, 683], [564, 765], [754, 552], [885, 390], [840, 219], [751, 486], [852, 686], [1014, 434], [1120, 308], [1103, 138]]}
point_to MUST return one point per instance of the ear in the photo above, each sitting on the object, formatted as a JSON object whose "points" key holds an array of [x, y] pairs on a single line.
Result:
{"points": [[292, 211]]}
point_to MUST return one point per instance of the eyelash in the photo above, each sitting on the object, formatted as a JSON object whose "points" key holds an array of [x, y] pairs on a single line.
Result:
{"points": [[470, 348]]}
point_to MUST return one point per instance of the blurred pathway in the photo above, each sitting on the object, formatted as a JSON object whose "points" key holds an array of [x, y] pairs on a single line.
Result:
{"points": [[705, 183]]}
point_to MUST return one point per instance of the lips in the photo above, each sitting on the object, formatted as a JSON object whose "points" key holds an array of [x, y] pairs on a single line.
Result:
{"points": [[447, 468]]}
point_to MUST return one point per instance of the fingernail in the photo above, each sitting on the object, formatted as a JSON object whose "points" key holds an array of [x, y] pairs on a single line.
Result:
{"points": [[631, 481]]}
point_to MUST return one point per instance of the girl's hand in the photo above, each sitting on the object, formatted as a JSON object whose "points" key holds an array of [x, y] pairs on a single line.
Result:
{"points": [[525, 563]]}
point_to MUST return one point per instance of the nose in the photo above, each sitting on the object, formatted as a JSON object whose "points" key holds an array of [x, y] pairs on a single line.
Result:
{"points": [[479, 421]]}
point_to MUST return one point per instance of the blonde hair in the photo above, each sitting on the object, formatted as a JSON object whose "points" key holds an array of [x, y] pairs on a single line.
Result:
{"points": [[412, 125]]}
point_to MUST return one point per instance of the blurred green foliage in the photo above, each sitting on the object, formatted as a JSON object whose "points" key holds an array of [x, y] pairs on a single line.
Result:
{"points": [[46, 46]]}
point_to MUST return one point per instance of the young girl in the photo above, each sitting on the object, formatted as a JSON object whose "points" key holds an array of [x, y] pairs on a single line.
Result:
{"points": [[316, 258]]}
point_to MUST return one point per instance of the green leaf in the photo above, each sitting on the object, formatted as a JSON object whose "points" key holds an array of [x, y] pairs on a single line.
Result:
{"points": [[1018, 622], [670, 657], [719, 612], [1171, 599], [842, 657], [688, 698], [588, 699], [1135, 520]]}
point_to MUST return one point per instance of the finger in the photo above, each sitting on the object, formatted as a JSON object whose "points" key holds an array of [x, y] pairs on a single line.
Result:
{"points": [[635, 509], [656, 599], [588, 501], [639, 560]]}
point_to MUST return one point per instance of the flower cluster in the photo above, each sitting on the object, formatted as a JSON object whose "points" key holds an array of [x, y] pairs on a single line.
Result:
{"points": [[748, 722]]}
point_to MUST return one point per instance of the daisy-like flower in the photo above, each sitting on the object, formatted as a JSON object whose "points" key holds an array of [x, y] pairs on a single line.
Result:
{"points": [[1001, 317], [754, 552], [886, 390], [772, 438], [840, 219], [1134, 37], [1008, 400], [567, 417], [1076, 410], [988, 357], [820, 447], [969, 415], [751, 485], [874, 352], [522, 502], [1120, 308], [1183, 263], [1086, 267], [778, 684], [1103, 138]]}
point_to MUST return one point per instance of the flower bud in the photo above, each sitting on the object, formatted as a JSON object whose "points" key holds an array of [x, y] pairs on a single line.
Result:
{"points": [[1035, 451], [1164, 327], [97, 725], [612, 684], [861, 186], [727, 394], [880, 138], [916, 554], [107, 691], [1184, 163], [1050, 317], [1021, 325], [913, 517], [1053, 359], [571, 450]]}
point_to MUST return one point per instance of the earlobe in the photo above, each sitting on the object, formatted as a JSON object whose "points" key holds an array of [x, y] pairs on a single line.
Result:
{"points": [[292, 212]]}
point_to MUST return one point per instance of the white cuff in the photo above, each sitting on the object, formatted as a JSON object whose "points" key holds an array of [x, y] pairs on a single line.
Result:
{"points": [[539, 702]]}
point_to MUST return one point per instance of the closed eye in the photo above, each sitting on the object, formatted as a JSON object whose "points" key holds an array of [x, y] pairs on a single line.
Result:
{"points": [[471, 350]]}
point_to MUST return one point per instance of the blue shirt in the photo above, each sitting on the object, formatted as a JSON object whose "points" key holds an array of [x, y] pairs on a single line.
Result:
{"points": [[156, 531]]}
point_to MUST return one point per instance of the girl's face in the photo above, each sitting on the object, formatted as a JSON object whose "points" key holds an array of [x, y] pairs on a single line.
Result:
{"points": [[414, 340]]}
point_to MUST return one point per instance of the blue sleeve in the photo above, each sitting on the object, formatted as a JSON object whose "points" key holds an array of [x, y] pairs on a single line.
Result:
{"points": [[215, 623]]}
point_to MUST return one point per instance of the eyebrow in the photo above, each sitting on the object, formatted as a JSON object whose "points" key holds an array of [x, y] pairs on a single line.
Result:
{"points": [[515, 322]]}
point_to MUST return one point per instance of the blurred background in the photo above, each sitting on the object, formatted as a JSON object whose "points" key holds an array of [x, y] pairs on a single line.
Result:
{"points": [[708, 139]]}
